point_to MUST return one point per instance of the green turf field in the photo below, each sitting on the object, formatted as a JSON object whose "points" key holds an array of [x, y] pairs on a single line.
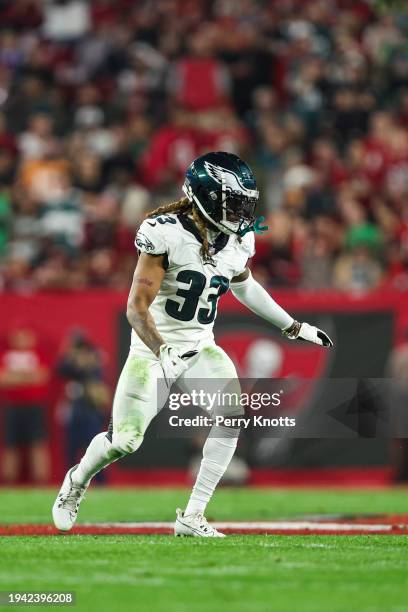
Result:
{"points": [[241, 573]]}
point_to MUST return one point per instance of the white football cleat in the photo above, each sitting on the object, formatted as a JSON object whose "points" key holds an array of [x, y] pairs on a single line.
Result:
{"points": [[194, 525], [65, 508]]}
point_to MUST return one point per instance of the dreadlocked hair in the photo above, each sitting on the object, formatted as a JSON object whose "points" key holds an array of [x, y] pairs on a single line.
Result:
{"points": [[202, 228], [184, 206], [181, 206]]}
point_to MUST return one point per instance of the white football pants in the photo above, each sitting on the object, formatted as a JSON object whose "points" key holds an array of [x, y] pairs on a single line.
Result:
{"points": [[140, 395]]}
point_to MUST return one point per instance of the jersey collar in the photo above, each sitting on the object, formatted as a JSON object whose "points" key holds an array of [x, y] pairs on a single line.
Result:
{"points": [[220, 242]]}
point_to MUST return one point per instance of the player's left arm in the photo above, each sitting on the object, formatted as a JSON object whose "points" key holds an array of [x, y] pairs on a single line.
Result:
{"points": [[250, 293]]}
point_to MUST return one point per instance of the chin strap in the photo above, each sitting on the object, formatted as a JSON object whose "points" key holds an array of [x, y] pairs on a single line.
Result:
{"points": [[255, 227]]}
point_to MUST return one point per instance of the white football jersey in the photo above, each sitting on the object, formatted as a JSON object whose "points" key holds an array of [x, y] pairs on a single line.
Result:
{"points": [[185, 307]]}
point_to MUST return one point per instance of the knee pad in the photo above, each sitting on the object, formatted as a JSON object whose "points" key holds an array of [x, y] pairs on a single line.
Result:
{"points": [[127, 441]]}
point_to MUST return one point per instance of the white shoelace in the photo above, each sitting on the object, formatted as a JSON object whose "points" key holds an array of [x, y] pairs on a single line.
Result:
{"points": [[203, 524], [72, 498]]}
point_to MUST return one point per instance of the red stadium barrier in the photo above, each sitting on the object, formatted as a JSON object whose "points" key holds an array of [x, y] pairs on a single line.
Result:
{"points": [[99, 313]]}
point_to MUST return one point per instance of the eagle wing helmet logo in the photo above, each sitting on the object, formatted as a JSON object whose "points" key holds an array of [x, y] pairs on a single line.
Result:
{"points": [[228, 179]]}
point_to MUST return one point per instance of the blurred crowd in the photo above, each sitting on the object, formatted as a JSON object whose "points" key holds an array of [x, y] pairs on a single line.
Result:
{"points": [[103, 104]]}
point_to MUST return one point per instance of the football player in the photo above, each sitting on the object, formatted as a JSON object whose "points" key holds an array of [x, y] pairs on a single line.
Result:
{"points": [[190, 253]]}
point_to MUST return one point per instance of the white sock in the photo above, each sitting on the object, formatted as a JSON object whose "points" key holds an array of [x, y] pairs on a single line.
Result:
{"points": [[218, 450], [98, 455]]}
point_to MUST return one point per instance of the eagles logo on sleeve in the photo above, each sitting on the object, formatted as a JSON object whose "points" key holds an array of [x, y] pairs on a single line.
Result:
{"points": [[143, 242]]}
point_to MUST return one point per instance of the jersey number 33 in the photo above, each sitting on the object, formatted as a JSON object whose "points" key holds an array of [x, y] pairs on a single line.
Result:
{"points": [[196, 282]]}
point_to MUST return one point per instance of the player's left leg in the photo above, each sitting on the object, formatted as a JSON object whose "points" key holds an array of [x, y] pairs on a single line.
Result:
{"points": [[135, 404], [215, 365]]}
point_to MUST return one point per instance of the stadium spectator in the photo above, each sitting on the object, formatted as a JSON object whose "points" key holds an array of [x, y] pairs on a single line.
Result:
{"points": [[80, 360], [86, 401], [199, 81], [66, 20], [24, 375]]}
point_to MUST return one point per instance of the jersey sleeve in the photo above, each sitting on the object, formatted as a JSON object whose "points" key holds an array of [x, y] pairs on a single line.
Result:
{"points": [[150, 238]]}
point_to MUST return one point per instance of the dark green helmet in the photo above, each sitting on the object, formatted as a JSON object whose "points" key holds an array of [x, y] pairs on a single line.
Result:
{"points": [[223, 188]]}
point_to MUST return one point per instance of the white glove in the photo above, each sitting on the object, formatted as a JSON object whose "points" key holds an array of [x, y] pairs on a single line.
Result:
{"points": [[304, 331], [173, 364]]}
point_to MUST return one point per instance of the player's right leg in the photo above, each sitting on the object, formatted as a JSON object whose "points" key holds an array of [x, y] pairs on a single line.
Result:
{"points": [[134, 406]]}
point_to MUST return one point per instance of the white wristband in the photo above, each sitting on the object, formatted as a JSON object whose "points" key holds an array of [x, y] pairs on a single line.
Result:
{"points": [[257, 299]]}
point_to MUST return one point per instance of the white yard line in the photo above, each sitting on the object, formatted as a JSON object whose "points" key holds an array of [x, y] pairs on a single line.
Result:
{"points": [[253, 526]]}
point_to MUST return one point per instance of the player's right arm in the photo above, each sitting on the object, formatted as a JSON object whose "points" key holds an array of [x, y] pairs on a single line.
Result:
{"points": [[153, 246], [146, 283], [147, 279]]}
